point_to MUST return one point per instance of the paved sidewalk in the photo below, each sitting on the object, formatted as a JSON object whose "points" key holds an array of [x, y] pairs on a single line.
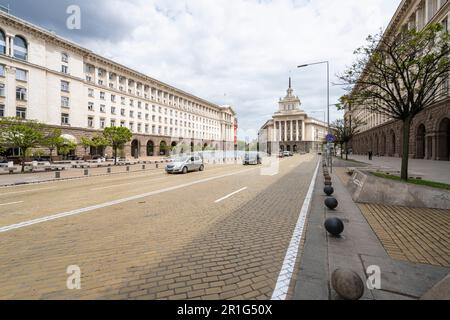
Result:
{"points": [[427, 169], [357, 249]]}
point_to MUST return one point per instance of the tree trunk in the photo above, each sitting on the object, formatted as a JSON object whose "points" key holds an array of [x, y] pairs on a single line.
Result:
{"points": [[342, 151], [405, 148], [115, 156]]}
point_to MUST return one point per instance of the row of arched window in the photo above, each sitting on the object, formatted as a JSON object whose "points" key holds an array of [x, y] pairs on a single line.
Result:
{"points": [[20, 49]]}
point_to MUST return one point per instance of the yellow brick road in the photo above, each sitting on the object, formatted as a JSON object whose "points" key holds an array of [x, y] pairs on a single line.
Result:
{"points": [[412, 234], [178, 244]]}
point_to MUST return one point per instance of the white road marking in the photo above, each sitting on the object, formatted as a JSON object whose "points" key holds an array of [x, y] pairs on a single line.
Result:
{"points": [[126, 184], [230, 195], [285, 276], [26, 191], [112, 203], [10, 203]]}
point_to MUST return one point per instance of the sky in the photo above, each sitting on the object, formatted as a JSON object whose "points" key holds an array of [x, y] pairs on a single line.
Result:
{"points": [[229, 52]]}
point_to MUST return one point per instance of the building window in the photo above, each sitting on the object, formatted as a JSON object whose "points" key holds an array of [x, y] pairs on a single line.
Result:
{"points": [[64, 57], [21, 94], [90, 122], [122, 112], [131, 126], [2, 90], [122, 124], [113, 98], [20, 48], [2, 42], [131, 114], [65, 86], [2, 110], [21, 113], [65, 69], [21, 75], [146, 128], [91, 93], [90, 106], [113, 110], [64, 119], [102, 108], [139, 127], [65, 102], [102, 123], [102, 95], [113, 123], [2, 70]]}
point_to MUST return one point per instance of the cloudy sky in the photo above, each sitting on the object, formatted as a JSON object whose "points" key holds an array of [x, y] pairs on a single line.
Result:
{"points": [[237, 52]]}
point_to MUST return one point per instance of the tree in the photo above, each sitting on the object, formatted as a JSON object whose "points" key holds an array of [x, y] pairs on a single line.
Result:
{"points": [[85, 143], [345, 131], [52, 140], [399, 75], [22, 134], [66, 148], [99, 142], [117, 137]]}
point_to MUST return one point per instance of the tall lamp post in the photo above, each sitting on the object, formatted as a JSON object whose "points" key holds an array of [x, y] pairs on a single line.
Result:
{"points": [[328, 97]]}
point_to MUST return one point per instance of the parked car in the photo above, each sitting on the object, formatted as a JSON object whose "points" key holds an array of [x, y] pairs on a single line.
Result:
{"points": [[252, 159], [185, 165], [286, 154]]}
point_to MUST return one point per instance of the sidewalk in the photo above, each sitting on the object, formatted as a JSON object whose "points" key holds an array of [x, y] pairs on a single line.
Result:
{"points": [[357, 249], [438, 171]]}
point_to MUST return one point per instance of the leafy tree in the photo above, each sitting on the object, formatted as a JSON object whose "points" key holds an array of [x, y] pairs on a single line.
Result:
{"points": [[99, 142], [22, 134], [52, 140], [66, 148], [117, 137], [399, 75], [86, 143]]}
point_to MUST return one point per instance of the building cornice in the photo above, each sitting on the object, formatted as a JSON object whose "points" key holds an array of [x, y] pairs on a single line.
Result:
{"points": [[90, 56]]}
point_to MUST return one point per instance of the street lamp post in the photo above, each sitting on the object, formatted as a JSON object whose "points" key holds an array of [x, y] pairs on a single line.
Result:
{"points": [[328, 98]]}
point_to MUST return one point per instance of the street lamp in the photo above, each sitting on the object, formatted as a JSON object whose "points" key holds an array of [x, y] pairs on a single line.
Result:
{"points": [[328, 100]]}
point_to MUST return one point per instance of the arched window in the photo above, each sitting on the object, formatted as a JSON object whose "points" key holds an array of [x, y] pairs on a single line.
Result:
{"points": [[2, 42], [20, 48]]}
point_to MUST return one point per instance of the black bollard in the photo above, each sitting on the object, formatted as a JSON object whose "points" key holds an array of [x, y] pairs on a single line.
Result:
{"points": [[331, 203], [334, 226], [328, 190]]}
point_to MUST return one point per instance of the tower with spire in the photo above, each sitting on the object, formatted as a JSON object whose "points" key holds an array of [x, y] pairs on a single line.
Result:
{"points": [[290, 102]]}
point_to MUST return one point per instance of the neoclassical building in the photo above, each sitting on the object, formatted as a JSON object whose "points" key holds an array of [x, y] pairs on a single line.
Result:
{"points": [[291, 129], [49, 79], [430, 130]]}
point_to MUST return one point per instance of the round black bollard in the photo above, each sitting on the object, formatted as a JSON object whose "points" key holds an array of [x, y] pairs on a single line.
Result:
{"points": [[86, 172], [57, 175], [328, 183], [108, 170], [334, 226], [329, 190], [331, 203]]}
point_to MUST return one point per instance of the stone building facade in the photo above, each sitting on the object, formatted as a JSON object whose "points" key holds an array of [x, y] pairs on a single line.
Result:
{"points": [[291, 129], [430, 130], [56, 82]]}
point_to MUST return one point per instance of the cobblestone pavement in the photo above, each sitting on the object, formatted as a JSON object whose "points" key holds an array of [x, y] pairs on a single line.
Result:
{"points": [[168, 240], [412, 234]]}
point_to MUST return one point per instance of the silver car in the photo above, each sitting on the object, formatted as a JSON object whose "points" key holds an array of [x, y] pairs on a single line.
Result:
{"points": [[185, 165]]}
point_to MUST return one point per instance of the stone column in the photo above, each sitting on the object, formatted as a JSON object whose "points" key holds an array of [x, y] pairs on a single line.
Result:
{"points": [[285, 131], [303, 130], [297, 135], [292, 130]]}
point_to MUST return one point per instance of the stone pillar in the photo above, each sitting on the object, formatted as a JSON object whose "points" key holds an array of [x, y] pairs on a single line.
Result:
{"points": [[303, 130], [285, 131], [297, 133], [292, 130]]}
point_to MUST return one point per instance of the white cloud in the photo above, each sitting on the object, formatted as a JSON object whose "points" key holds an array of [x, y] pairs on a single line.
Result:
{"points": [[240, 52]]}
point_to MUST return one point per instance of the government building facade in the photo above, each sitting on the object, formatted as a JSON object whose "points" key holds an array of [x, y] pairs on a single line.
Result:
{"points": [[430, 130], [291, 129], [46, 78]]}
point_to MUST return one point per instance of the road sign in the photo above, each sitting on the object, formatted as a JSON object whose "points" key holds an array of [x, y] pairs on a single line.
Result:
{"points": [[331, 138]]}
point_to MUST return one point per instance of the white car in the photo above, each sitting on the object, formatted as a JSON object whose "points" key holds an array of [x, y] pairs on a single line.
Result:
{"points": [[185, 165]]}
